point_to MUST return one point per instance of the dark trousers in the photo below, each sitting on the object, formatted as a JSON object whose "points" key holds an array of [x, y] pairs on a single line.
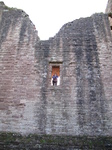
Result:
{"points": [[54, 83]]}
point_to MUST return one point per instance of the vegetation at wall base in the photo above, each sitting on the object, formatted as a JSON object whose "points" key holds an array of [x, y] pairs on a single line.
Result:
{"points": [[15, 141]]}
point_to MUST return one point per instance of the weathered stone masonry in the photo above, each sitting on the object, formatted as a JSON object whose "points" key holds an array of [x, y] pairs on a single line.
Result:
{"points": [[82, 104]]}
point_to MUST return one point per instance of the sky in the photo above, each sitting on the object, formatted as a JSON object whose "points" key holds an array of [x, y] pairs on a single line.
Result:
{"points": [[49, 16]]}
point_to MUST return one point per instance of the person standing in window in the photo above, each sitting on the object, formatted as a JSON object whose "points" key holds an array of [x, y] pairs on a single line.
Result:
{"points": [[55, 77]]}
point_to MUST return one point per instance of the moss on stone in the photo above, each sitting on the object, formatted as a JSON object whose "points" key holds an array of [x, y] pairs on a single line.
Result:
{"points": [[5, 7], [15, 140], [9, 8]]}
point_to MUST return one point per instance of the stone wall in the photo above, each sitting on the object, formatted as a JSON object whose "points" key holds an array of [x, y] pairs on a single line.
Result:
{"points": [[109, 6], [109, 12], [18, 80], [81, 104]]}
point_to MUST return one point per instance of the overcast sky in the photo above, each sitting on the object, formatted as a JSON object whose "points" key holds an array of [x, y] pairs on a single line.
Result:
{"points": [[50, 15]]}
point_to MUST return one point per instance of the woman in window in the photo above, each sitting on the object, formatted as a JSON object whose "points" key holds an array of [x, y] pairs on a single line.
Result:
{"points": [[54, 81]]}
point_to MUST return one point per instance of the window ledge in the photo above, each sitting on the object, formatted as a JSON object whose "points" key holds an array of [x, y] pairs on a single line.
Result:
{"points": [[55, 87]]}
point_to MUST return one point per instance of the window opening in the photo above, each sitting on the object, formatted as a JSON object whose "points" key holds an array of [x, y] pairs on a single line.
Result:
{"points": [[55, 76]]}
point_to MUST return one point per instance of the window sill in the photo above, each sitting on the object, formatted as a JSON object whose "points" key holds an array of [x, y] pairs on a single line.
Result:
{"points": [[55, 87]]}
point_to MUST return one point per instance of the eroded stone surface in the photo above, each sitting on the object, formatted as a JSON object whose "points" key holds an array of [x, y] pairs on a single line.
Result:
{"points": [[109, 6], [81, 105]]}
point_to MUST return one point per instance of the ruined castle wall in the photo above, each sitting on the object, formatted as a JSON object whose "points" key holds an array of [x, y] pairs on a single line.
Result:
{"points": [[109, 11], [104, 43], [18, 82], [109, 6], [81, 104]]}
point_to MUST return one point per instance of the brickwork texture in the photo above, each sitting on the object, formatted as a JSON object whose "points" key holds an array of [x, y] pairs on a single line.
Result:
{"points": [[82, 103]]}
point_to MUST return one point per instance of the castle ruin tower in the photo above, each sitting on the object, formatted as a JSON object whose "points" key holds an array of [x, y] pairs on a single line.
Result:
{"points": [[109, 7], [109, 12]]}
